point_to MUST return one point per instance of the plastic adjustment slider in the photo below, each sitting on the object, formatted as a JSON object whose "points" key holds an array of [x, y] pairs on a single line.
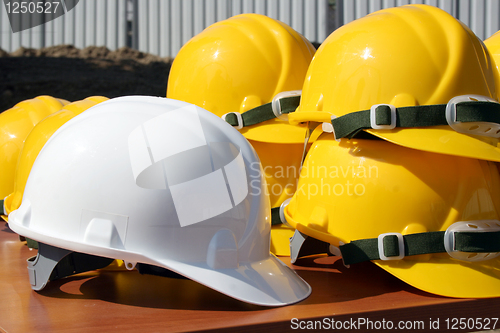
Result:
{"points": [[238, 117], [129, 265], [328, 127], [401, 246], [482, 128], [282, 212], [373, 117], [469, 226], [276, 105]]}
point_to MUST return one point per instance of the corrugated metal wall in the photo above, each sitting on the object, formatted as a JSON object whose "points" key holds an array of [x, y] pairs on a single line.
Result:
{"points": [[482, 16], [91, 22], [165, 25], [158, 26], [162, 26]]}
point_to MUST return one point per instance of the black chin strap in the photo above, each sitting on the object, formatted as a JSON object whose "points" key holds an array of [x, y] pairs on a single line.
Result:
{"points": [[469, 245], [388, 117], [396, 246], [261, 113]]}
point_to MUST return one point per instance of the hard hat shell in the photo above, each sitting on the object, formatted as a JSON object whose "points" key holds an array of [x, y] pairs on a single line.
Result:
{"points": [[161, 182], [404, 56], [15, 125], [34, 142], [360, 189], [240, 63]]}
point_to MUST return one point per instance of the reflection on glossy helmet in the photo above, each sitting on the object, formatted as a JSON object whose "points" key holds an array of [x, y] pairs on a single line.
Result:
{"points": [[35, 141], [239, 64], [15, 125], [413, 55], [156, 182], [399, 207]]}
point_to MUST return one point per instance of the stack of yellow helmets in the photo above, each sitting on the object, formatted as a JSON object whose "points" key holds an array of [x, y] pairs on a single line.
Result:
{"points": [[35, 141], [242, 64], [26, 127], [406, 173], [15, 125]]}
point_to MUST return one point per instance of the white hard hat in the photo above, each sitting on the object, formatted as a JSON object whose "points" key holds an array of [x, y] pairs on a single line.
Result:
{"points": [[158, 182]]}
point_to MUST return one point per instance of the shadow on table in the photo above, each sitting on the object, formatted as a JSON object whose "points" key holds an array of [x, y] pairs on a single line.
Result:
{"points": [[4, 226], [331, 282], [336, 283]]}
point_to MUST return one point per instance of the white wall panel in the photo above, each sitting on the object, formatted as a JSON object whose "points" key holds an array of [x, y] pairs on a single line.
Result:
{"points": [[273, 9], [491, 19], [199, 16], [80, 22], [223, 10], [69, 27], [175, 27], [111, 32], [477, 18], [261, 7], [142, 25], [311, 21], [90, 22], [187, 20], [153, 25], [322, 16], [285, 11], [210, 12], [58, 32], [100, 18], [298, 15]]}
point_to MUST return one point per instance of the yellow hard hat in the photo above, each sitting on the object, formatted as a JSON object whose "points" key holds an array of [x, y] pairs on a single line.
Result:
{"points": [[241, 64], [15, 125], [412, 75], [407, 210], [35, 141]]}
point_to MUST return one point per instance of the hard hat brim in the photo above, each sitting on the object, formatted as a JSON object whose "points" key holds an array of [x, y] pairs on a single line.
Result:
{"points": [[275, 131], [448, 277], [442, 140], [267, 282]]}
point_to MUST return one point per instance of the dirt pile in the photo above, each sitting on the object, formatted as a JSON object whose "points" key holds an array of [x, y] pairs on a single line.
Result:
{"points": [[67, 72]]}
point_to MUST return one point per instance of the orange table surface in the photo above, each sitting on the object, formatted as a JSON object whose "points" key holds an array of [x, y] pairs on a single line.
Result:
{"points": [[126, 301]]}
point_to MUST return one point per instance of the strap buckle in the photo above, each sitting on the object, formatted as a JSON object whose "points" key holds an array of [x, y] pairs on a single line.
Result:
{"points": [[482, 128], [238, 118], [328, 128], [373, 115], [401, 246], [276, 106], [282, 212], [469, 226]]}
